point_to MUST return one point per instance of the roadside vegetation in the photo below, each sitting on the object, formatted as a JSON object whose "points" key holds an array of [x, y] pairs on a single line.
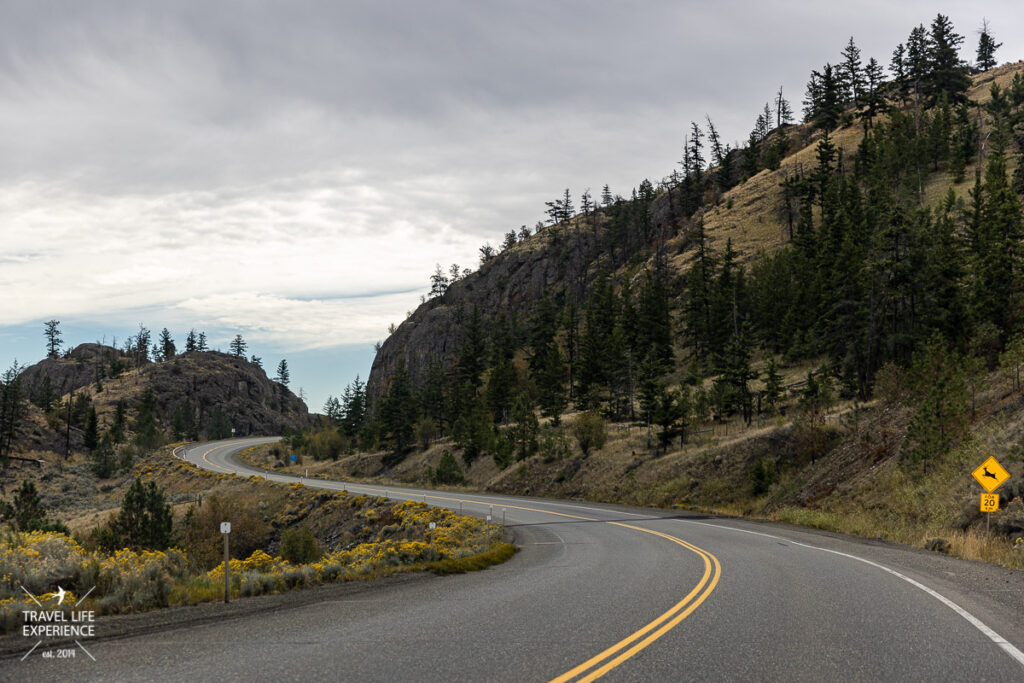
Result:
{"points": [[151, 554]]}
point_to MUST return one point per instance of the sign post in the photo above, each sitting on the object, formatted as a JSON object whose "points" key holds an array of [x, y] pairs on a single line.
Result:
{"points": [[991, 475], [225, 530]]}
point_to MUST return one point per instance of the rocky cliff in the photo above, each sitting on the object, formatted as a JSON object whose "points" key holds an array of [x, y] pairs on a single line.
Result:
{"points": [[208, 392]]}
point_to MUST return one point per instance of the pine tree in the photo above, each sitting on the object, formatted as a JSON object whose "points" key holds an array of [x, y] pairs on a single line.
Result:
{"points": [[438, 283], [53, 338], [502, 380], [898, 69], [238, 346], [773, 388], [873, 100], [830, 108], [166, 345], [525, 428], [948, 74], [783, 111], [852, 75], [91, 436], [353, 408], [147, 432], [398, 413], [120, 421], [283, 375], [987, 47], [191, 342], [12, 409], [472, 350], [141, 349], [145, 521], [201, 343]]}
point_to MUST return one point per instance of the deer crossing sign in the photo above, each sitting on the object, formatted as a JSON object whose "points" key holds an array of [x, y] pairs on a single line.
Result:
{"points": [[991, 474]]}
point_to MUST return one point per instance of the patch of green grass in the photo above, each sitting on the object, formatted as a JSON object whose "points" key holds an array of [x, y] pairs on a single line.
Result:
{"points": [[498, 553]]}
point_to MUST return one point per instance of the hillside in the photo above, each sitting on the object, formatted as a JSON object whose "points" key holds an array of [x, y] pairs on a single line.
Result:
{"points": [[822, 327], [194, 394], [562, 261]]}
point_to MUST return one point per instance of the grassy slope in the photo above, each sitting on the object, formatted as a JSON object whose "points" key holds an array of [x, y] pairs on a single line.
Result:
{"points": [[858, 487]]}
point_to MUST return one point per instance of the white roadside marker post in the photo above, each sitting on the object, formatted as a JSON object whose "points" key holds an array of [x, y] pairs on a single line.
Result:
{"points": [[225, 530]]}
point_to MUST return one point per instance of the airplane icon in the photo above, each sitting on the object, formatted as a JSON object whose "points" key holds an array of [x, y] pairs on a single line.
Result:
{"points": [[60, 595]]}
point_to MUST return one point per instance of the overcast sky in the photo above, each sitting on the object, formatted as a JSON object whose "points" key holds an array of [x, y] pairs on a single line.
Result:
{"points": [[292, 171]]}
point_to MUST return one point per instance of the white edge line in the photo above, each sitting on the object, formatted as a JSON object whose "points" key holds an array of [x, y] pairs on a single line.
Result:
{"points": [[1008, 647]]}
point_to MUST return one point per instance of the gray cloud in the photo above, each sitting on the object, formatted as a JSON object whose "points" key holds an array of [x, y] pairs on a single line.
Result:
{"points": [[267, 157]]}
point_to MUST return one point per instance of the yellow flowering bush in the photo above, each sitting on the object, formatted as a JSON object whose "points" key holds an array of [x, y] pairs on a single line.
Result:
{"points": [[397, 537]]}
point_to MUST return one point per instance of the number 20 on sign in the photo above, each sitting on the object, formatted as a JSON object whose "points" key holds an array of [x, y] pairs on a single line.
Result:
{"points": [[989, 502]]}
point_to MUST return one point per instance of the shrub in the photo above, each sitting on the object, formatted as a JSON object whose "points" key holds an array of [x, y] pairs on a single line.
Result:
{"points": [[199, 532], [144, 520], [448, 470], [299, 546], [591, 432], [763, 475]]}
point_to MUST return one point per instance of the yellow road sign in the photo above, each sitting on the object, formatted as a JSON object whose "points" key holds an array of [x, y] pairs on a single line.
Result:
{"points": [[991, 474], [989, 502]]}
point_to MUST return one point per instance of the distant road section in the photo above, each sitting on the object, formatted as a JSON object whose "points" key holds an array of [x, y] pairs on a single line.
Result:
{"points": [[607, 591]]}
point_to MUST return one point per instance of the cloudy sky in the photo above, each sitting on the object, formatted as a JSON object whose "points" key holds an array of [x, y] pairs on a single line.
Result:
{"points": [[292, 171]]}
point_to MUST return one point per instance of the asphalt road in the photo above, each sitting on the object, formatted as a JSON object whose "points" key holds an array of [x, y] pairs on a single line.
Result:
{"points": [[600, 590]]}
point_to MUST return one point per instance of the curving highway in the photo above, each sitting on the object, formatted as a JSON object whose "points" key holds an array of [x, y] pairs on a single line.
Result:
{"points": [[604, 591]]}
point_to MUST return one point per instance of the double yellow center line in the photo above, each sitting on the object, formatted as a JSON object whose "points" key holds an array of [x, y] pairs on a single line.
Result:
{"points": [[602, 663]]}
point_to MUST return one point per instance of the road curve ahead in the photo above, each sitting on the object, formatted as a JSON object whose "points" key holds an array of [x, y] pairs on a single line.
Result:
{"points": [[603, 591]]}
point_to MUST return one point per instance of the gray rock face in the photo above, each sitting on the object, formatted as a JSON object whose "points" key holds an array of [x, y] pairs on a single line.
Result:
{"points": [[558, 262], [82, 366], [210, 384]]}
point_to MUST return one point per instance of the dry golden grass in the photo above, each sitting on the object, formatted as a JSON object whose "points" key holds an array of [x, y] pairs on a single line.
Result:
{"points": [[750, 214]]}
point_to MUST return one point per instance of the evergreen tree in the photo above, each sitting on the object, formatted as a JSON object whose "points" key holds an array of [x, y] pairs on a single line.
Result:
{"points": [[53, 338], [783, 111], [12, 409], [852, 74], [26, 511], [91, 436], [166, 345], [898, 69], [120, 421], [599, 321], [147, 433], [547, 366], [141, 347], [873, 99], [438, 283], [283, 376], [191, 342], [238, 346], [773, 387], [502, 381], [525, 427], [941, 417], [201, 342], [398, 414], [987, 47], [102, 461], [145, 521], [948, 74]]}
